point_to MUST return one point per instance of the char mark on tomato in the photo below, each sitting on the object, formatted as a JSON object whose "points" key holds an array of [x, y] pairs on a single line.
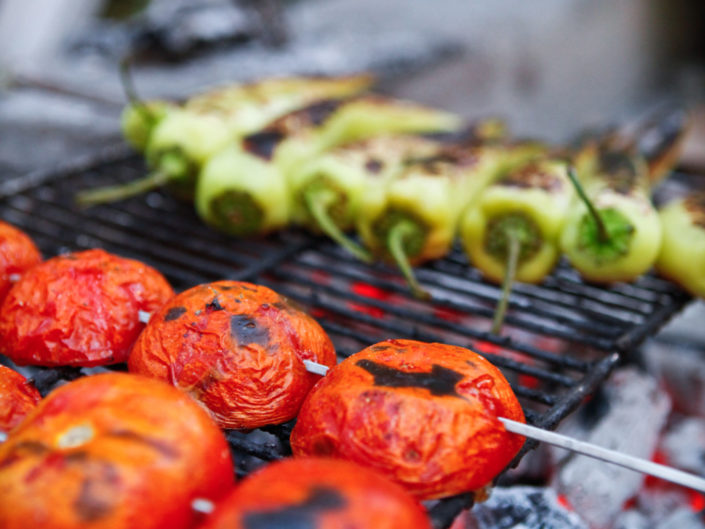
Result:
{"points": [[214, 305], [174, 313], [263, 144], [95, 499], [244, 330], [440, 381], [297, 516], [164, 448], [22, 449]]}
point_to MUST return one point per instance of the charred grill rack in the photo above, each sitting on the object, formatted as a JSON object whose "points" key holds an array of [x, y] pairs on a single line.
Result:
{"points": [[561, 339]]}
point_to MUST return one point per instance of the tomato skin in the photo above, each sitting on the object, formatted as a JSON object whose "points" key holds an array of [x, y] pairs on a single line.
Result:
{"points": [[17, 398], [318, 493], [112, 451], [79, 309], [18, 254], [436, 434], [236, 347]]}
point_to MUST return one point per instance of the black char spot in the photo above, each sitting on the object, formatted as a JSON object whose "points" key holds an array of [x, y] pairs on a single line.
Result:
{"points": [[263, 143], [214, 305], [245, 330], [320, 112], [298, 516], [374, 165], [440, 381], [174, 313]]}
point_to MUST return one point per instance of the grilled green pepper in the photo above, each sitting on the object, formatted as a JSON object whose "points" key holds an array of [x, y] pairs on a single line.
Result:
{"points": [[295, 139], [529, 203], [682, 255], [138, 120], [412, 216], [622, 238]]}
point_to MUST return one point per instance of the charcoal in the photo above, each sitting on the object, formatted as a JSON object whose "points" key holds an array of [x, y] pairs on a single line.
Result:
{"points": [[682, 519], [632, 519], [522, 508], [630, 417], [684, 445], [657, 503]]}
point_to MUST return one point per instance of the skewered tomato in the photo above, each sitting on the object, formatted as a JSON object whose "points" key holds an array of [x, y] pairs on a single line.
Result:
{"points": [[236, 347], [312, 493], [425, 414], [79, 309], [112, 451], [17, 398], [17, 255]]}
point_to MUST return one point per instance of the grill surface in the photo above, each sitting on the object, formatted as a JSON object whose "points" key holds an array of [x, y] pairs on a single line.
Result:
{"points": [[559, 341]]}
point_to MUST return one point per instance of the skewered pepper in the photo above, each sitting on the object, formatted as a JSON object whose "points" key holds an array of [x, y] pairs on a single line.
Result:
{"points": [[178, 143], [682, 255], [79, 309], [241, 191], [624, 241], [236, 347], [375, 408], [17, 398], [17, 255], [412, 217], [313, 493], [112, 451]]}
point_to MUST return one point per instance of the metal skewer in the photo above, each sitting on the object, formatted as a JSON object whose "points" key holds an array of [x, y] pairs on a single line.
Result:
{"points": [[581, 447]]}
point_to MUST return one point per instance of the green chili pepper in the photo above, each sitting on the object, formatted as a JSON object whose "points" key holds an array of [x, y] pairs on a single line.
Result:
{"points": [[297, 138], [621, 240], [138, 120], [412, 216], [682, 255]]}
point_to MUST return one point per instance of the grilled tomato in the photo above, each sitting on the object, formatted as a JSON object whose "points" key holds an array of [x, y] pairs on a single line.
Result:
{"points": [[236, 347], [17, 398], [112, 451], [317, 493], [79, 309], [17, 255], [424, 414]]}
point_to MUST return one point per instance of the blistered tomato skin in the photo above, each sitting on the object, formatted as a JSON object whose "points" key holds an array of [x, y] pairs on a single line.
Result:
{"points": [[17, 398], [424, 414], [80, 309], [17, 255], [112, 451], [236, 347], [317, 493]]}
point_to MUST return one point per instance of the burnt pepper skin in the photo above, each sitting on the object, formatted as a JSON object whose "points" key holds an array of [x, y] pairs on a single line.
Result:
{"points": [[236, 347], [17, 255], [80, 309], [17, 398], [425, 414], [318, 493], [112, 451]]}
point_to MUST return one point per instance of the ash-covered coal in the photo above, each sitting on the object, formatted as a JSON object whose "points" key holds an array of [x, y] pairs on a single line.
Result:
{"points": [[521, 508], [684, 445], [629, 420]]}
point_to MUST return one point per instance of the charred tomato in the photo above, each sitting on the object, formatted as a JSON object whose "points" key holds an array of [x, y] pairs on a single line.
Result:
{"points": [[236, 347], [112, 451], [318, 493], [79, 309], [17, 255], [17, 398], [425, 414]]}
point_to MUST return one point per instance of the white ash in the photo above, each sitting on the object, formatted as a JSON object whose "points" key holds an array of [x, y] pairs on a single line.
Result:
{"points": [[522, 508], [632, 519], [684, 445], [632, 414], [658, 503], [682, 519]]}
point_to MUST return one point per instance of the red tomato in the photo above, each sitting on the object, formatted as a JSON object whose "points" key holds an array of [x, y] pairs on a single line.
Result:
{"points": [[313, 493], [424, 414], [17, 398], [236, 347], [112, 451], [79, 309], [17, 255]]}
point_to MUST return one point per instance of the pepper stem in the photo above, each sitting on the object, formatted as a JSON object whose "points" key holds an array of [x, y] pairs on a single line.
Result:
{"points": [[318, 201], [128, 87], [101, 195], [602, 234], [508, 282], [395, 244]]}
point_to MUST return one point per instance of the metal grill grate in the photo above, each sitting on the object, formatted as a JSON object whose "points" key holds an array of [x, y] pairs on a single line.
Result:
{"points": [[559, 336]]}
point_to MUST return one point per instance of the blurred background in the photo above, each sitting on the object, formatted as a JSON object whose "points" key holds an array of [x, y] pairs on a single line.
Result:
{"points": [[550, 67]]}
